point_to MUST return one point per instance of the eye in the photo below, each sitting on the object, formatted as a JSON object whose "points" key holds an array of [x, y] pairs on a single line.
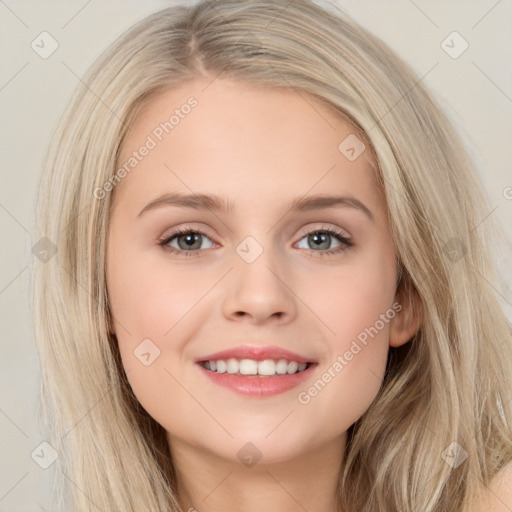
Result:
{"points": [[189, 242], [186, 241], [321, 239]]}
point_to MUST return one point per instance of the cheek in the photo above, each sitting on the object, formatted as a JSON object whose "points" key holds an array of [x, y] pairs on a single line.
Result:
{"points": [[352, 300], [156, 308], [149, 297], [356, 308]]}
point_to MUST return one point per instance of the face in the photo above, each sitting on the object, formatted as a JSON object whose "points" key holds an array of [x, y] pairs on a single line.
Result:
{"points": [[188, 280]]}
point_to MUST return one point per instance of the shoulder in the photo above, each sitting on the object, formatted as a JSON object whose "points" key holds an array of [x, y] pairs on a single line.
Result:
{"points": [[498, 497]]}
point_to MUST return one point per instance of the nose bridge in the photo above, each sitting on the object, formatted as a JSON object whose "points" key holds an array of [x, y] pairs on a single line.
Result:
{"points": [[258, 287]]}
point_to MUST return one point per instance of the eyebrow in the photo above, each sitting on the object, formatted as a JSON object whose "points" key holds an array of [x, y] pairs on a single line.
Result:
{"points": [[216, 203]]}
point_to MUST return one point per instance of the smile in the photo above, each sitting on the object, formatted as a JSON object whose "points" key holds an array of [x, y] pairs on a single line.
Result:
{"points": [[267, 367], [272, 380]]}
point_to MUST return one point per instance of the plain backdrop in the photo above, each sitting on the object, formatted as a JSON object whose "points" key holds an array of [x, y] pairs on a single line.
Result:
{"points": [[475, 89]]}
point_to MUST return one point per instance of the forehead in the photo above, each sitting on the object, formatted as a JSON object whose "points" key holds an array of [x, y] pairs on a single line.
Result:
{"points": [[243, 140]]}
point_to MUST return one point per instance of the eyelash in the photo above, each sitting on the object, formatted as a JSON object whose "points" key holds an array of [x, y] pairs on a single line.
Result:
{"points": [[346, 243]]}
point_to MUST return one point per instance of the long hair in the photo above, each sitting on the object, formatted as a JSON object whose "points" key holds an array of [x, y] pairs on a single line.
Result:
{"points": [[439, 428]]}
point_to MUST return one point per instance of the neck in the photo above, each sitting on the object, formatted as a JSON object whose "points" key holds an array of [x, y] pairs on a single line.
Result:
{"points": [[211, 483]]}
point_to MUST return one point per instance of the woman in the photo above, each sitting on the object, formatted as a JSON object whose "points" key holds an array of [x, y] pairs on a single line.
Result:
{"points": [[268, 289]]}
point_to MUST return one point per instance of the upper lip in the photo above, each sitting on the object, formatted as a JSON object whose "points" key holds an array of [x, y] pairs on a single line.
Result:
{"points": [[256, 353]]}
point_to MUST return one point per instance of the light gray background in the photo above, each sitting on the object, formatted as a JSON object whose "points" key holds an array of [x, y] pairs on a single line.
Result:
{"points": [[475, 89]]}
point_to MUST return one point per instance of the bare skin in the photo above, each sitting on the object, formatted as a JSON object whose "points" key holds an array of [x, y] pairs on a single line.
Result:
{"points": [[260, 149]]}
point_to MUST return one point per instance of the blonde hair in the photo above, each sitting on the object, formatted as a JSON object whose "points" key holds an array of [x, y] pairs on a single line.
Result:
{"points": [[449, 384]]}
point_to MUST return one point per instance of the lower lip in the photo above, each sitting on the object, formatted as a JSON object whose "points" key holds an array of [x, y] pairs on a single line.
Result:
{"points": [[254, 385]]}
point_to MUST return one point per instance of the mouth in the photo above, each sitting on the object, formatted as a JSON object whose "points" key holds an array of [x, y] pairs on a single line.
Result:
{"points": [[257, 379], [257, 371], [256, 368]]}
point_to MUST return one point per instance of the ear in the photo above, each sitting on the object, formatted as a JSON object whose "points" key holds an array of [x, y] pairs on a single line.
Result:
{"points": [[408, 320]]}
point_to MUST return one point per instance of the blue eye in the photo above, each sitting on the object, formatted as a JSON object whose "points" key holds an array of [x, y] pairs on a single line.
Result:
{"points": [[190, 241], [321, 237]]}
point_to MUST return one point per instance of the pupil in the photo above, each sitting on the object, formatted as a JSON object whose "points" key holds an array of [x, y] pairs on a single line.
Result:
{"points": [[319, 237], [190, 239]]}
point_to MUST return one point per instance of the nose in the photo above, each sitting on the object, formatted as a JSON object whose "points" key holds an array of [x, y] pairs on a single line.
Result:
{"points": [[260, 292]]}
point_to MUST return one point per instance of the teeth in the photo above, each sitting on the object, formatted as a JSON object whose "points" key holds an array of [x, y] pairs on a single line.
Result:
{"points": [[251, 367], [232, 366], [248, 367], [221, 366]]}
